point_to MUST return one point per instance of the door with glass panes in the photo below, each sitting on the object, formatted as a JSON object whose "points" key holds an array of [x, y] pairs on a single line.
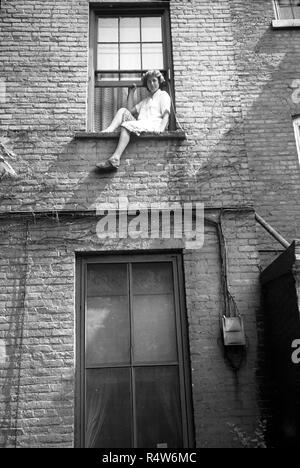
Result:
{"points": [[135, 369]]}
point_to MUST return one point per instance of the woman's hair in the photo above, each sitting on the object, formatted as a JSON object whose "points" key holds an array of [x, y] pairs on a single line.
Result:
{"points": [[153, 73]]}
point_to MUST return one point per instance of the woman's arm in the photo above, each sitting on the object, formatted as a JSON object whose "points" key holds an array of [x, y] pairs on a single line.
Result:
{"points": [[130, 99], [164, 122]]}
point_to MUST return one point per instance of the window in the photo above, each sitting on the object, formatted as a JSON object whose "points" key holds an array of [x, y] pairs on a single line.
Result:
{"points": [[134, 365], [287, 9], [297, 134], [125, 43]]}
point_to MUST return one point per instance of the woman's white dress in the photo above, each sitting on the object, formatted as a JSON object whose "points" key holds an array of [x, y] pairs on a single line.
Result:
{"points": [[150, 113]]}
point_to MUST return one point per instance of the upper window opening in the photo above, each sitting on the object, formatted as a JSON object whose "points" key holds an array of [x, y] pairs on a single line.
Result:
{"points": [[297, 134], [287, 9], [125, 45], [128, 46]]}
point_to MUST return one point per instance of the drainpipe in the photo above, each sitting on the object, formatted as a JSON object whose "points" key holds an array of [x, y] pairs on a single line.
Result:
{"points": [[272, 231]]}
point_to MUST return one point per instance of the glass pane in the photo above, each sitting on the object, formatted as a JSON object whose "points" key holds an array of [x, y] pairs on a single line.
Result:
{"points": [[130, 30], [108, 57], [136, 77], [151, 29], [106, 279], [130, 57], [159, 422], [152, 56], [108, 29], [107, 76], [154, 324], [107, 102], [297, 11], [286, 12], [154, 329], [107, 315], [152, 278], [108, 409], [107, 331]]}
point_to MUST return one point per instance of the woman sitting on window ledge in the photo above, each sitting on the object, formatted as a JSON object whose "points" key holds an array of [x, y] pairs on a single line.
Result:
{"points": [[150, 115]]}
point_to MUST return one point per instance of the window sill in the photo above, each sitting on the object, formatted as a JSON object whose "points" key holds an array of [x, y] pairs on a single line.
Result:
{"points": [[287, 23], [173, 135]]}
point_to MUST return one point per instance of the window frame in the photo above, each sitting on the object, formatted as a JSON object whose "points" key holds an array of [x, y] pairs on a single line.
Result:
{"points": [[184, 365], [296, 124], [128, 10], [278, 15], [113, 83]]}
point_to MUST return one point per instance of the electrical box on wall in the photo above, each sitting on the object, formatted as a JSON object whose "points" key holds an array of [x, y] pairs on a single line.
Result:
{"points": [[233, 331]]}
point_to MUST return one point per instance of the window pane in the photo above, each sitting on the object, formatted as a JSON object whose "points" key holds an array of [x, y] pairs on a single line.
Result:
{"points": [[297, 10], [108, 408], [151, 29], [154, 324], [130, 57], [108, 29], [107, 314], [107, 331], [286, 13], [154, 329], [130, 30], [107, 102], [152, 278], [108, 57], [106, 279], [152, 56], [134, 77], [285, 9], [159, 423], [107, 77]]}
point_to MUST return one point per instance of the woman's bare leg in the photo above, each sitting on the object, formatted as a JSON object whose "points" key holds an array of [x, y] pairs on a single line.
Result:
{"points": [[113, 162], [116, 122], [122, 145]]}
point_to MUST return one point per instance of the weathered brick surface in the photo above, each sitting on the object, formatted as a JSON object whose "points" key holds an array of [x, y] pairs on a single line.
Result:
{"points": [[43, 53], [268, 62], [218, 395], [37, 328]]}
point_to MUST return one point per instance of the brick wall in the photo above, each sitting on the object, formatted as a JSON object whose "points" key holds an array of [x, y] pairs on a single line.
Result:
{"points": [[44, 52], [268, 62], [37, 304], [240, 89]]}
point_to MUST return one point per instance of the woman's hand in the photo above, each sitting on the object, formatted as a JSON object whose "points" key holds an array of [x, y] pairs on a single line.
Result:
{"points": [[132, 88]]}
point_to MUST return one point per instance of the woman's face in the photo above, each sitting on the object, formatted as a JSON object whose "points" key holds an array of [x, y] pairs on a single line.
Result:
{"points": [[153, 84]]}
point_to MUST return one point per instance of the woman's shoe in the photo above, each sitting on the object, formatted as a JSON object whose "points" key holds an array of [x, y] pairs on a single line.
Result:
{"points": [[106, 166]]}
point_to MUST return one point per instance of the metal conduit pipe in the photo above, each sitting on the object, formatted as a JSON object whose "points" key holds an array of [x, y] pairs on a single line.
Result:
{"points": [[272, 231]]}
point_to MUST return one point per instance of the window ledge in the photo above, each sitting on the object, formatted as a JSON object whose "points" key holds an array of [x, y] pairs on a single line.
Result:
{"points": [[173, 135], [287, 23]]}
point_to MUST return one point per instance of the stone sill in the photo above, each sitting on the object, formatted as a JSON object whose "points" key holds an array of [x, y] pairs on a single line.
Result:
{"points": [[173, 135], [288, 23]]}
